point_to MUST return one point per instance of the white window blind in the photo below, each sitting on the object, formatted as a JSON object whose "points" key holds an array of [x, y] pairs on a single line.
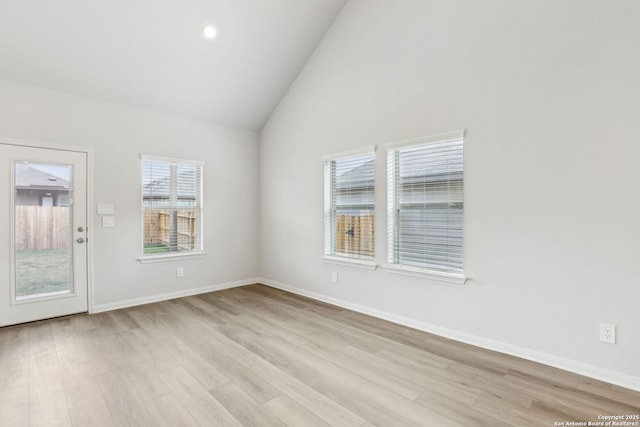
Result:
{"points": [[171, 206], [425, 203], [349, 204]]}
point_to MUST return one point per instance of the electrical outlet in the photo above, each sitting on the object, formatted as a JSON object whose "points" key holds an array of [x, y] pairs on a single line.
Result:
{"points": [[334, 277], [607, 333], [108, 221], [180, 272]]}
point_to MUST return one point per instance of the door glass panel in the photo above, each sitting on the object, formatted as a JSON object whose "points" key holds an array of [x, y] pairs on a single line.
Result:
{"points": [[43, 230]]}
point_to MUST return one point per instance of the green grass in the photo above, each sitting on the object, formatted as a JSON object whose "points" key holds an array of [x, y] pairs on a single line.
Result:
{"points": [[41, 271], [49, 270], [155, 248]]}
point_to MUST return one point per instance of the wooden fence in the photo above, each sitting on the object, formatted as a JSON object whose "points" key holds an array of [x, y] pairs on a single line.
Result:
{"points": [[355, 235], [39, 227], [157, 226]]}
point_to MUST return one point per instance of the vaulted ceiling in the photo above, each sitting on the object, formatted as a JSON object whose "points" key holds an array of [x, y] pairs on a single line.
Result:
{"points": [[152, 53]]}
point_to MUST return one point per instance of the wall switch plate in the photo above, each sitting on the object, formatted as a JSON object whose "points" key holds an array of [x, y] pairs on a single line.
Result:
{"points": [[180, 272], [108, 222], [334, 277], [607, 333], [105, 209]]}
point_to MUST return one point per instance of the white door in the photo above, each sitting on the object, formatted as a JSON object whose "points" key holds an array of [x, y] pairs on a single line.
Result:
{"points": [[43, 249]]}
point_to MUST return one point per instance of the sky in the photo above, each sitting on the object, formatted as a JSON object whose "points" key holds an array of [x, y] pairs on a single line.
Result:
{"points": [[60, 171]]}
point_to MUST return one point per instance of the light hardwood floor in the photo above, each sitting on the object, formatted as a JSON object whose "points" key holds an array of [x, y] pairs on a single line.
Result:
{"points": [[258, 356]]}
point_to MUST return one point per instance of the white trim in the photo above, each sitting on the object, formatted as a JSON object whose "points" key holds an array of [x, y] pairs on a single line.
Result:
{"points": [[393, 208], [170, 159], [89, 233], [171, 257], [601, 374], [200, 207], [89, 152], [171, 295], [327, 218], [329, 205], [12, 231], [440, 137], [46, 145], [442, 276], [350, 262], [202, 212], [350, 153], [392, 179], [45, 296]]}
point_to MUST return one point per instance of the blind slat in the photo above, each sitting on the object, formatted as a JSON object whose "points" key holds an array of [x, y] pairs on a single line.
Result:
{"points": [[172, 206], [349, 204], [426, 205]]}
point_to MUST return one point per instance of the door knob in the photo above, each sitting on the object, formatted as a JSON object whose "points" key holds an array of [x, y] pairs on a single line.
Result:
{"points": [[80, 240], [81, 229]]}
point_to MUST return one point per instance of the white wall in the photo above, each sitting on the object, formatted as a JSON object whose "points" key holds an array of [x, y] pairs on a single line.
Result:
{"points": [[118, 135], [548, 94]]}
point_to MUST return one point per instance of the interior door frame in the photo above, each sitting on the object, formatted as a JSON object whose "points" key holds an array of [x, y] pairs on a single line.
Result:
{"points": [[88, 151]]}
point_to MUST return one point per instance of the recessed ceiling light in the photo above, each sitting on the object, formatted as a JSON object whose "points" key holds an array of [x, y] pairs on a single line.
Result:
{"points": [[209, 32]]}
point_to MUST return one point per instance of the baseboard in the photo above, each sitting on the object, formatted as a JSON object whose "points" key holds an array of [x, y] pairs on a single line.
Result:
{"points": [[612, 377], [99, 308]]}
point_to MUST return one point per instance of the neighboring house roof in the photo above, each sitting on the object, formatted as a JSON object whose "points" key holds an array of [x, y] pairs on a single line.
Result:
{"points": [[414, 172], [161, 188], [358, 177], [28, 177], [418, 166]]}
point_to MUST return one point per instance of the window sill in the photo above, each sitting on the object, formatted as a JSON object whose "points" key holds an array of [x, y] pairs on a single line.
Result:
{"points": [[350, 262], [172, 257], [456, 278]]}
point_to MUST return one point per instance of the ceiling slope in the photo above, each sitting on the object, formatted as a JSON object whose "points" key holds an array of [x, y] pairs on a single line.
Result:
{"points": [[152, 54]]}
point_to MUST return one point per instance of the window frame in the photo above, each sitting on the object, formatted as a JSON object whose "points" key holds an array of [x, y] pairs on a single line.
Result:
{"points": [[199, 207], [444, 274], [329, 255]]}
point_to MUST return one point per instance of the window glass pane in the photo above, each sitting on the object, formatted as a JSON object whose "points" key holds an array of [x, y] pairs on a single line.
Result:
{"points": [[350, 205], [156, 231], [428, 200], [187, 230], [156, 182], [43, 231], [187, 179], [172, 207]]}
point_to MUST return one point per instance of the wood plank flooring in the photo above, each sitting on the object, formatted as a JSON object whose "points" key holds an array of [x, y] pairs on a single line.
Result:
{"points": [[257, 356]]}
